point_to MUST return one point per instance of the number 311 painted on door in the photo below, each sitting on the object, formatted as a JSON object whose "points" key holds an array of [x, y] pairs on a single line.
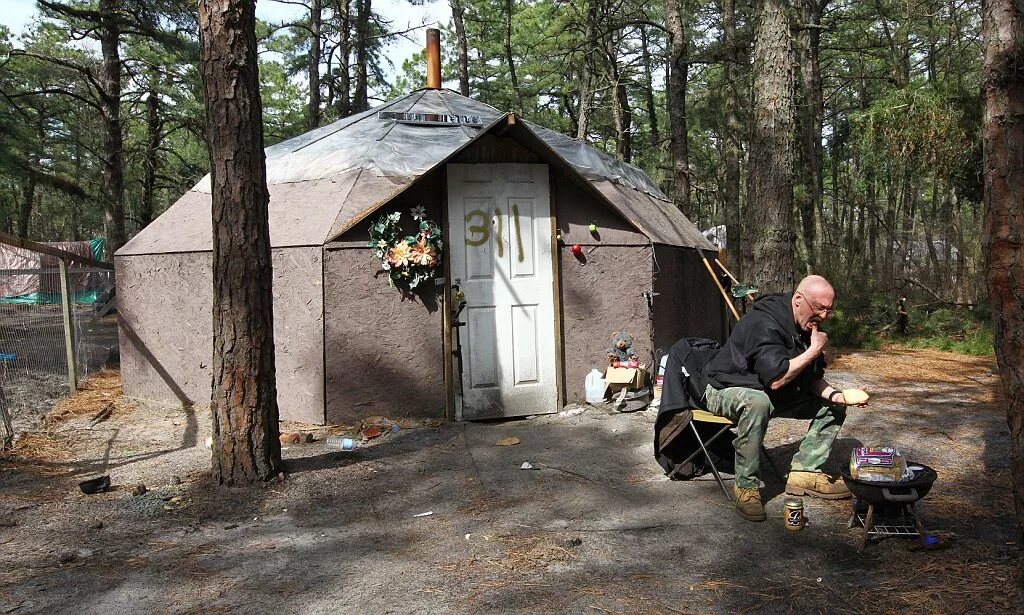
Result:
{"points": [[479, 234]]}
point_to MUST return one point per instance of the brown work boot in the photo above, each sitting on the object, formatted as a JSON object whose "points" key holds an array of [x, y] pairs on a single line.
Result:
{"points": [[817, 484], [748, 503]]}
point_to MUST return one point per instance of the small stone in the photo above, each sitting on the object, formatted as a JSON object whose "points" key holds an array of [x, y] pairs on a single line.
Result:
{"points": [[84, 553], [65, 556], [307, 438], [139, 490], [175, 480], [96, 524], [572, 542]]}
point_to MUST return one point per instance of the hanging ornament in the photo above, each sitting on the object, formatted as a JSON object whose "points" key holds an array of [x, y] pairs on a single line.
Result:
{"points": [[576, 248], [593, 227]]}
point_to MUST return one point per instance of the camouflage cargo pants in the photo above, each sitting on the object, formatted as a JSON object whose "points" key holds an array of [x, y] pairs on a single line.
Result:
{"points": [[751, 409]]}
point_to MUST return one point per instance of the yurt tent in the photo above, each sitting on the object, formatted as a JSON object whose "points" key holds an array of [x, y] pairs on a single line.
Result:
{"points": [[510, 199]]}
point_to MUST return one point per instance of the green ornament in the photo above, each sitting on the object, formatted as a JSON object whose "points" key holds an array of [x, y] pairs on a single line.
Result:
{"points": [[593, 228]]}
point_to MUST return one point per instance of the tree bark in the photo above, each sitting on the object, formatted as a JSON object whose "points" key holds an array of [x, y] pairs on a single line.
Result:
{"points": [[652, 109], [246, 444], [361, 100], [343, 104], [112, 185], [622, 114], [459, 20], [510, 58], [770, 176], [28, 199], [315, 18], [731, 145], [588, 73], [810, 122], [154, 135], [677, 76], [1003, 241]]}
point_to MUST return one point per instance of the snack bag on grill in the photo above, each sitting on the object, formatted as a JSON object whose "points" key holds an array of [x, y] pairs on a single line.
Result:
{"points": [[883, 464]]}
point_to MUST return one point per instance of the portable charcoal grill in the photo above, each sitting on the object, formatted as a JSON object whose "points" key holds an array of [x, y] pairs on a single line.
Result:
{"points": [[889, 509]]}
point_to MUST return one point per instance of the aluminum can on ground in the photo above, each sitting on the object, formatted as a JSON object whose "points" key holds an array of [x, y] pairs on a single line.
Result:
{"points": [[794, 519]]}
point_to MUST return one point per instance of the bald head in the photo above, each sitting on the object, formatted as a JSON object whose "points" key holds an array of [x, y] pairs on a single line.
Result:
{"points": [[814, 284], [812, 302]]}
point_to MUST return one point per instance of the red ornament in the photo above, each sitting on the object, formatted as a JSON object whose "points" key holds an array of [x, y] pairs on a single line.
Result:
{"points": [[576, 248]]}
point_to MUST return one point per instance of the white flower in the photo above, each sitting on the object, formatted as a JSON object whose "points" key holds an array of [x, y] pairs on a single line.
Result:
{"points": [[419, 212]]}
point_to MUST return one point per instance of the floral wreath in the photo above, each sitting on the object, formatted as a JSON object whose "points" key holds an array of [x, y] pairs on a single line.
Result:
{"points": [[411, 259]]}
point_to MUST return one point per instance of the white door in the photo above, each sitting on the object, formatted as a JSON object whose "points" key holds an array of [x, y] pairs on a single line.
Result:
{"points": [[500, 247]]}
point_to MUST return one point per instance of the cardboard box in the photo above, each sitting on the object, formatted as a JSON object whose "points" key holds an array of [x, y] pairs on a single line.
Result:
{"points": [[618, 378]]}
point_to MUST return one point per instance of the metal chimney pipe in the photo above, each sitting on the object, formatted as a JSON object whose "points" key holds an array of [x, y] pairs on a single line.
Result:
{"points": [[434, 59]]}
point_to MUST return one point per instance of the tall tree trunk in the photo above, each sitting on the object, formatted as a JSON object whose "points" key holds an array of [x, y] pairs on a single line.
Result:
{"points": [[28, 199], [588, 73], [154, 135], [28, 194], [459, 19], [364, 12], [246, 444], [621, 112], [731, 146], [888, 258], [810, 120], [770, 175], [652, 109], [1003, 138], [343, 104], [677, 76], [315, 18], [112, 186], [510, 57], [872, 208]]}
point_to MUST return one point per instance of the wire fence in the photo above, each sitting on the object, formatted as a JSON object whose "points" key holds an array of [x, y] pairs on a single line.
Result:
{"points": [[34, 353]]}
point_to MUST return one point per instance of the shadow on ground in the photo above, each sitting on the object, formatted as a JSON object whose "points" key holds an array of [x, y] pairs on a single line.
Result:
{"points": [[444, 520]]}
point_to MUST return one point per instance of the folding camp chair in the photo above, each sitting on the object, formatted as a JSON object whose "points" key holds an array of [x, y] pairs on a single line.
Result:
{"points": [[702, 416]]}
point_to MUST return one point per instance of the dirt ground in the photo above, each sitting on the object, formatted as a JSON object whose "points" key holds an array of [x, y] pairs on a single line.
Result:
{"points": [[593, 528]]}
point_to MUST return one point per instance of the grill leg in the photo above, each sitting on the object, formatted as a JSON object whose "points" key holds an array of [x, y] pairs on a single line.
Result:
{"points": [[868, 522]]}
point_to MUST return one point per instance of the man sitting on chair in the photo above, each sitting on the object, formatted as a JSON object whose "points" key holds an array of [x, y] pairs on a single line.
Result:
{"points": [[772, 365]]}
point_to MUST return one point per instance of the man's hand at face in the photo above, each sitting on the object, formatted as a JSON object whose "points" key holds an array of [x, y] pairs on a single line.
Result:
{"points": [[819, 339]]}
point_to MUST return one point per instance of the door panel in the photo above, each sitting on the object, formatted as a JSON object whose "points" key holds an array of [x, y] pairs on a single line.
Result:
{"points": [[499, 227]]}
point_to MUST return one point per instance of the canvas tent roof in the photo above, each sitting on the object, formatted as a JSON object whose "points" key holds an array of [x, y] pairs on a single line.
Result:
{"points": [[323, 182]]}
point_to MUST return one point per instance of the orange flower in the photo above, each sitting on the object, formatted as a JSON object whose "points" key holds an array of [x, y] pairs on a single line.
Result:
{"points": [[422, 254], [399, 255]]}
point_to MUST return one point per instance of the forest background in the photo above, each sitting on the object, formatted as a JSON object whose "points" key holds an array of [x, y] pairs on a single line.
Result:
{"points": [[102, 123]]}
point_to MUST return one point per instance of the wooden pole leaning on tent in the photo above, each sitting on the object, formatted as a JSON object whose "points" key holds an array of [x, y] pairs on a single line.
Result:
{"points": [[718, 283], [727, 272]]}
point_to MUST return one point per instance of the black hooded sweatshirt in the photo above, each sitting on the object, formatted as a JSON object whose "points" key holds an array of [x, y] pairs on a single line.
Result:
{"points": [[759, 349]]}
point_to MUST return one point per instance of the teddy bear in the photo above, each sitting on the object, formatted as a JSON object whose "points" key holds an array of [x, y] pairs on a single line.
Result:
{"points": [[621, 350]]}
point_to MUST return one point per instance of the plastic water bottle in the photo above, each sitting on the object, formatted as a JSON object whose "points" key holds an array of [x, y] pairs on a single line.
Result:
{"points": [[341, 443], [595, 387]]}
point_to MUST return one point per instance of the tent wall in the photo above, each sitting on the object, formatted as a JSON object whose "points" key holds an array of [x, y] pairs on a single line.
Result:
{"points": [[165, 325], [299, 333], [384, 351], [602, 291], [688, 303]]}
